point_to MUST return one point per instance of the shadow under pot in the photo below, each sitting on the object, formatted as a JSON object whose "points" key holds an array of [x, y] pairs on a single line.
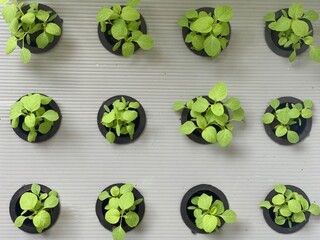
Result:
{"points": [[186, 31], [33, 45], [187, 215], [272, 38], [101, 211], [140, 121], [41, 137], [16, 211], [108, 41], [303, 130], [269, 215]]}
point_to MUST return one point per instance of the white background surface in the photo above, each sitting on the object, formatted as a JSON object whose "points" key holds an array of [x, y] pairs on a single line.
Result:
{"points": [[79, 74]]}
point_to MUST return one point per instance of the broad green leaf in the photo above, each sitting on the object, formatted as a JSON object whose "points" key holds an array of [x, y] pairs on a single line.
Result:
{"points": [[32, 102], [311, 15], [11, 45], [130, 14], [209, 223], [274, 103], [268, 118], [280, 188], [145, 42], [238, 115], [218, 92], [28, 201], [307, 103], [195, 200], [132, 219], [19, 221], [300, 28], [219, 205], [108, 117], [200, 105], [201, 122], [306, 113], [281, 25], [42, 15], [197, 212], [114, 202], [225, 31], [104, 195], [118, 233], [202, 25], [292, 137], [296, 10], [270, 17], [53, 29], [304, 203], [51, 202], [126, 201], [104, 14], [283, 115], [223, 13], [16, 110], [209, 134], [25, 55], [42, 220], [293, 56], [45, 127], [130, 115], [115, 191], [265, 204], [314, 209], [35, 188], [3, 2], [51, 115], [294, 113], [191, 14], [224, 137], [199, 222], [217, 109], [282, 41], [133, 3], [32, 136], [110, 136], [314, 53], [284, 211], [294, 206], [232, 103], [42, 40], [127, 49], [198, 42], [9, 12], [112, 216], [177, 106], [299, 217], [278, 199], [204, 201], [126, 188], [28, 18], [229, 216], [14, 26], [15, 122], [183, 22], [119, 30], [281, 131], [30, 120], [212, 46], [280, 220], [190, 37]]}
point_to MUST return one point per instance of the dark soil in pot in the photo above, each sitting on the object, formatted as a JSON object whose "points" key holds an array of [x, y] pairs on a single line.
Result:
{"points": [[186, 31], [187, 215], [33, 46], [269, 215], [101, 212], [303, 130], [15, 209], [272, 39], [41, 137], [108, 41], [140, 121]]}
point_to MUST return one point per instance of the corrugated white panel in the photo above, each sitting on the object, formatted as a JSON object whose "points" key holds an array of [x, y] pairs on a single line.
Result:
{"points": [[80, 74]]}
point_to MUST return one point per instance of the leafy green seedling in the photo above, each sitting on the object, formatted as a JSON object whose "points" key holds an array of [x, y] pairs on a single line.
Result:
{"points": [[293, 31], [288, 116], [35, 117], [289, 206], [38, 205], [213, 118], [208, 31], [125, 25], [120, 118], [24, 25], [121, 207], [208, 214]]}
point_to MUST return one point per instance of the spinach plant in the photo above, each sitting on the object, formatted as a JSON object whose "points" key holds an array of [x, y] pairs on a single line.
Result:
{"points": [[35, 117], [120, 119], [208, 31], [120, 207], [289, 206], [125, 24], [38, 205], [212, 117], [286, 117], [293, 31], [208, 214], [23, 25]]}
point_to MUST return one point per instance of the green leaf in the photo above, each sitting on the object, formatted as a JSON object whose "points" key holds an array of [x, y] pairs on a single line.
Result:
{"points": [[177, 106], [42, 40], [209, 134], [130, 115], [307, 103], [126, 188], [270, 17], [14, 26], [25, 55], [284, 211], [199, 222], [118, 233], [274, 103], [292, 137], [19, 221], [198, 42], [9, 12], [145, 42], [283, 24], [127, 49], [281, 131], [53, 29], [126, 201], [114, 203], [183, 22], [217, 109], [35, 188], [15, 123], [136, 34], [202, 25], [311, 15], [130, 14], [278, 199], [28, 18], [232, 103], [296, 10], [42, 15], [300, 28], [229, 216], [209, 223], [32, 136], [110, 136], [292, 56], [45, 127], [119, 30], [11, 45], [280, 188], [265, 204], [299, 217], [191, 14], [218, 92], [212, 46], [223, 13], [314, 209], [112, 216], [42, 220], [104, 195], [280, 220], [28, 201], [294, 206], [238, 115], [108, 117], [200, 105], [51, 202], [197, 212], [314, 53], [224, 137], [30, 120], [204, 201], [132, 219], [268, 118], [283, 115], [51, 115], [115, 191], [32, 103], [306, 113], [133, 3], [3, 2], [188, 127], [294, 113], [201, 122], [282, 41], [104, 14]]}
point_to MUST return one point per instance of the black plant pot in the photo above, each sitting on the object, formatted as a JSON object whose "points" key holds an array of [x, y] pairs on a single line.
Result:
{"points": [[101, 212], [186, 31], [272, 39], [303, 130], [33, 45], [269, 215], [41, 137], [187, 215], [108, 41], [15, 209], [140, 121]]}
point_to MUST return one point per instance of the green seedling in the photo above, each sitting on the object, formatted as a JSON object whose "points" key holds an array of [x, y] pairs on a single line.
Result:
{"points": [[208, 31], [121, 207], [293, 31], [23, 25], [38, 205], [125, 24], [208, 213], [120, 119], [289, 206], [35, 118], [285, 117], [212, 118]]}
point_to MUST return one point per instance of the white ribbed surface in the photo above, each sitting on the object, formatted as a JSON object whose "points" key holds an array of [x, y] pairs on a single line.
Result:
{"points": [[78, 162]]}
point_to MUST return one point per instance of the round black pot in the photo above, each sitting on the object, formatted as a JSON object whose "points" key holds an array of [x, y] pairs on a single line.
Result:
{"points": [[303, 130], [140, 121], [186, 31], [272, 39], [15, 209], [33, 45], [269, 215], [187, 215], [108, 41], [101, 212], [41, 137]]}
